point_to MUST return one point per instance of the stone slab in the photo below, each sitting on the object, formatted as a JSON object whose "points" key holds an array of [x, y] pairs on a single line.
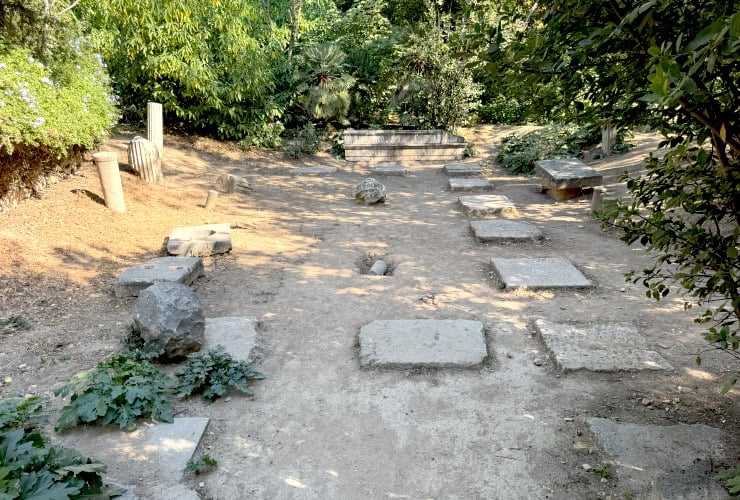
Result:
{"points": [[599, 348], [566, 174], [483, 205], [313, 171], [200, 241], [539, 274], [465, 184], [505, 231], [423, 343], [237, 335], [177, 492], [134, 279], [462, 169], [396, 170], [656, 461]]}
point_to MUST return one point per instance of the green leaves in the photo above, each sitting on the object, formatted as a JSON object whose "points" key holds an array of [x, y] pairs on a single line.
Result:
{"points": [[118, 391], [211, 373]]}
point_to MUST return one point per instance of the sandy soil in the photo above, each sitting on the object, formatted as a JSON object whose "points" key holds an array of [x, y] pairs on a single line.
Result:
{"points": [[321, 427]]}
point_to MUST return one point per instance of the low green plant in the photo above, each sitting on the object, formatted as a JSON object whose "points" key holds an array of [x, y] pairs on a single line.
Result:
{"points": [[501, 110], [18, 412], [602, 472], [211, 373], [731, 478], [137, 348], [118, 391], [306, 140], [203, 464], [13, 324], [519, 152]]}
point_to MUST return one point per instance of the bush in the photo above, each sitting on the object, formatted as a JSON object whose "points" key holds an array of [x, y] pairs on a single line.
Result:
{"points": [[211, 373], [501, 110], [118, 391], [306, 141], [519, 153]]}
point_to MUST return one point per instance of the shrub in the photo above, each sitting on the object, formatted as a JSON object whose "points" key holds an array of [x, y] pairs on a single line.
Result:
{"points": [[501, 110], [519, 153], [211, 373], [118, 391], [306, 141]]}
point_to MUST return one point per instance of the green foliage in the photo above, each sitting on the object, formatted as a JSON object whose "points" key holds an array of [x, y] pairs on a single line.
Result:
{"points": [[13, 324], [137, 349], [324, 85], [306, 141], [731, 478], [501, 110], [17, 412], [202, 465], [519, 153], [602, 472], [210, 64], [118, 391], [211, 373]]}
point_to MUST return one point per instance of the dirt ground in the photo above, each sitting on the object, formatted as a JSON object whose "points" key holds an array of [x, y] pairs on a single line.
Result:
{"points": [[320, 426]]}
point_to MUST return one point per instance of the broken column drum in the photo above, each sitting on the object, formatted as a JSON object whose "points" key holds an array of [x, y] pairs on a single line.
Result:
{"points": [[110, 180], [154, 125], [144, 159]]}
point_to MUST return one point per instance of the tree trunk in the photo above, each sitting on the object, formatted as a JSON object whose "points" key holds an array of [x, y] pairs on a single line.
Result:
{"points": [[295, 24]]}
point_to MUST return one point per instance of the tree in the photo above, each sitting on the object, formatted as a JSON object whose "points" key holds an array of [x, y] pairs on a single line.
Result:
{"points": [[323, 82], [676, 67]]}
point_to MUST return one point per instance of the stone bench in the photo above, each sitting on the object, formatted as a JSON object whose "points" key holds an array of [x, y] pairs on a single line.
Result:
{"points": [[396, 145], [567, 178]]}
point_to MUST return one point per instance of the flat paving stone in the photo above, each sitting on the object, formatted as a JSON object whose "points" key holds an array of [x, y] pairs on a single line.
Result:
{"points": [[313, 171], [200, 241], [464, 184], [237, 335], [134, 279], [667, 462], [483, 205], [505, 231], [598, 348], [423, 343], [539, 274], [462, 169], [389, 170], [567, 173]]}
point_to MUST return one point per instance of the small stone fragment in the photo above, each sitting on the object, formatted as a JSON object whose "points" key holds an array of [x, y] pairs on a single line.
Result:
{"points": [[568, 419], [537, 362], [587, 467], [646, 401], [378, 268], [370, 191]]}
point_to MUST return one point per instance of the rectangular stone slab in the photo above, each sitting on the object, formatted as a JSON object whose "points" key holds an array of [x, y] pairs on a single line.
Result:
{"points": [[423, 343], [598, 348], [539, 274], [396, 170], [236, 334], [505, 231], [200, 241], [313, 171], [566, 174], [462, 169], [664, 461], [134, 279], [464, 184], [483, 205]]}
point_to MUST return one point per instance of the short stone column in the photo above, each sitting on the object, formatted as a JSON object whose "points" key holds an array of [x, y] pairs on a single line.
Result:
{"points": [[110, 180], [154, 125], [211, 200], [143, 157], [598, 198], [608, 138]]}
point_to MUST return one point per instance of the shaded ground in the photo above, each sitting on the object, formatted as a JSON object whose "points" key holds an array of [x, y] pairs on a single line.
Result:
{"points": [[321, 427]]}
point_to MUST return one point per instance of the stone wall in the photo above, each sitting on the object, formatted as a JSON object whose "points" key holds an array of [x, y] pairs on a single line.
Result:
{"points": [[410, 145]]}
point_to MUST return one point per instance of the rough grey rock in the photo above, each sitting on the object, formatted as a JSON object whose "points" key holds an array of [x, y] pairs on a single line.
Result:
{"points": [[539, 274], [134, 279], [170, 315], [370, 191], [423, 343], [600, 347], [200, 241], [228, 183]]}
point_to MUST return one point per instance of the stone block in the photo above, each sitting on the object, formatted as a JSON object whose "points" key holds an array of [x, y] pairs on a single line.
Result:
{"points": [[313, 171], [505, 231], [599, 348], [567, 174], [200, 241], [483, 205], [228, 183], [170, 314], [390, 170], [134, 279], [236, 334], [423, 343], [539, 274], [464, 184], [462, 169], [664, 461]]}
